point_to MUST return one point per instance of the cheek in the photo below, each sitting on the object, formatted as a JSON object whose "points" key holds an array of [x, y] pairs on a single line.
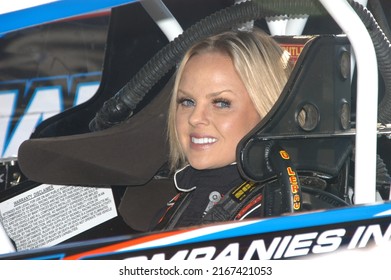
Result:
{"points": [[233, 131], [180, 124], [238, 127]]}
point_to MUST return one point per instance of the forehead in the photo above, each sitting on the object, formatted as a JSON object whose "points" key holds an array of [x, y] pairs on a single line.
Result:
{"points": [[209, 55], [213, 74], [209, 68], [209, 73]]}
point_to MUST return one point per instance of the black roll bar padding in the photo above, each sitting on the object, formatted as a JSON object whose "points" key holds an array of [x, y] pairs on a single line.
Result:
{"points": [[282, 165], [274, 161]]}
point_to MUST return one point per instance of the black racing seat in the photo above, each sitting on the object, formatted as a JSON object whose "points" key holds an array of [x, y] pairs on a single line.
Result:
{"points": [[312, 117], [310, 124]]}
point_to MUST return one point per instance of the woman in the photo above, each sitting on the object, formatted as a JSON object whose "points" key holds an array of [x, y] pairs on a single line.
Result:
{"points": [[224, 86]]}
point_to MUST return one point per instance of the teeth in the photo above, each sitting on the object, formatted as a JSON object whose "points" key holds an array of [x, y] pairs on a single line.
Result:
{"points": [[203, 140]]}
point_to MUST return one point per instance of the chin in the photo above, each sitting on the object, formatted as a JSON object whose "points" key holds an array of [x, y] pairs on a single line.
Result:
{"points": [[202, 165]]}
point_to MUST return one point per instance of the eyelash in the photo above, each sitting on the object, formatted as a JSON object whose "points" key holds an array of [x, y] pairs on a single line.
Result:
{"points": [[226, 102], [184, 102]]}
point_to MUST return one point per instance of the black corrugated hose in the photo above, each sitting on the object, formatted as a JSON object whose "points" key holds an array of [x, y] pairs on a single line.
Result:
{"points": [[383, 54], [120, 107], [377, 11], [383, 178]]}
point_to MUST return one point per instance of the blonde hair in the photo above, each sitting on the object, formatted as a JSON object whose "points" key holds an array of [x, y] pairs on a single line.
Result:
{"points": [[259, 61]]}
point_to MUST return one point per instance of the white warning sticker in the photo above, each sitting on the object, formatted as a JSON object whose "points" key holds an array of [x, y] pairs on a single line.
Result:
{"points": [[49, 214]]}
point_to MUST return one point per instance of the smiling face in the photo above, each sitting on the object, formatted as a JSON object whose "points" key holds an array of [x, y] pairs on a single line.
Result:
{"points": [[214, 111]]}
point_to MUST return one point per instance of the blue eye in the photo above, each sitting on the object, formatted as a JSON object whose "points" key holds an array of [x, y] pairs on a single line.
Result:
{"points": [[222, 103], [186, 102]]}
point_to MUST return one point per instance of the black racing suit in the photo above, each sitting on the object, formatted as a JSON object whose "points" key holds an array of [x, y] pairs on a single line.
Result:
{"points": [[210, 195]]}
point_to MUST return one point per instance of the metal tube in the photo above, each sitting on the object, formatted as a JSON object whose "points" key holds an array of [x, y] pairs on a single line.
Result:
{"points": [[367, 96], [163, 18]]}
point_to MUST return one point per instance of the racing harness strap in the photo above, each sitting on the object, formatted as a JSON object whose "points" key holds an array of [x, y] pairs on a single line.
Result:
{"points": [[273, 197], [235, 204]]}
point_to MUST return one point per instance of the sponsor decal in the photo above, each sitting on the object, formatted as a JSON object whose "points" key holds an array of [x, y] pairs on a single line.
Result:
{"points": [[242, 191], [290, 245], [293, 49], [293, 182]]}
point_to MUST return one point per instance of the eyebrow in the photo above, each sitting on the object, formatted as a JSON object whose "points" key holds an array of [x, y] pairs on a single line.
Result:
{"points": [[211, 94]]}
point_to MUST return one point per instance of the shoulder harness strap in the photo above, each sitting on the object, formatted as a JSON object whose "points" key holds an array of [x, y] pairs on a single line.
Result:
{"points": [[174, 211], [235, 204]]}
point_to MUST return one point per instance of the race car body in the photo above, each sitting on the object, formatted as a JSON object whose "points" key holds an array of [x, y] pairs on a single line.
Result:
{"points": [[86, 178]]}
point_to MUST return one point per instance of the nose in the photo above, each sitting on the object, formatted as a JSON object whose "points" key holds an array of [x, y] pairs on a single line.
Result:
{"points": [[199, 115]]}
